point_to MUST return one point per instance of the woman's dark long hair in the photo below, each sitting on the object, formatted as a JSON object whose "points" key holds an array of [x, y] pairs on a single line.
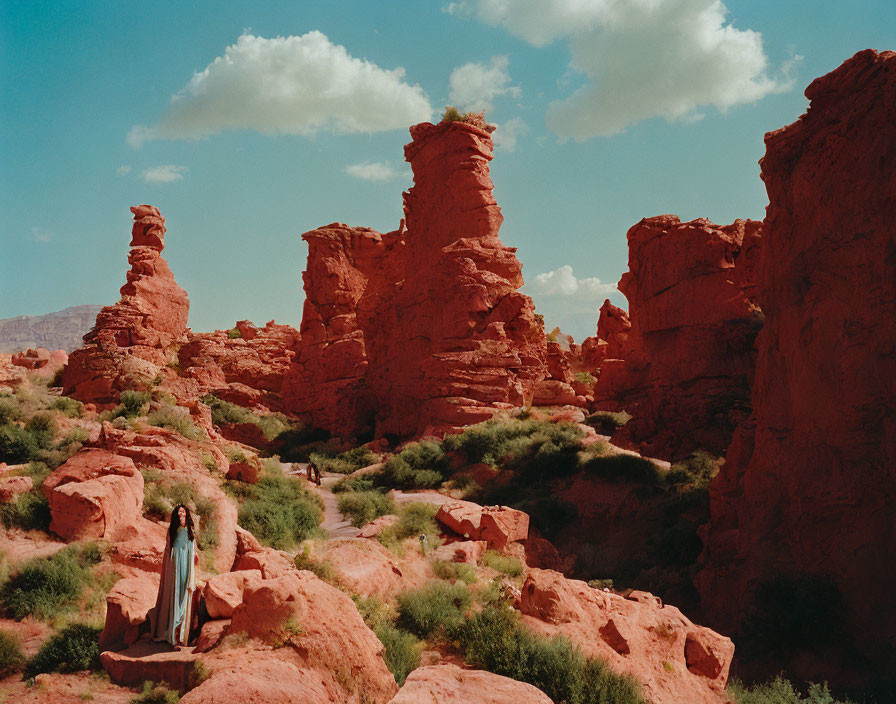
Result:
{"points": [[175, 524]]}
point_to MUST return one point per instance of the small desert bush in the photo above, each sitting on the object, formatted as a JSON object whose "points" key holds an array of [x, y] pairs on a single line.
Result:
{"points": [[43, 429], [421, 465], [454, 571], [178, 420], [696, 471], [133, 403], [435, 610], [280, 512], [402, 651], [9, 410], [29, 511], [347, 462], [18, 445], [74, 648], [361, 507], [607, 422], [234, 333], [585, 378], [225, 413], [507, 564], [45, 587], [625, 468], [323, 568], [494, 640], [69, 407], [11, 655], [348, 484], [781, 691], [153, 693], [414, 520]]}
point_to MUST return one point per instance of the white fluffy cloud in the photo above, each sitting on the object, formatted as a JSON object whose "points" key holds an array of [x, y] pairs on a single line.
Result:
{"points": [[40, 235], [376, 171], [563, 282], [473, 86], [123, 170], [164, 174], [296, 85], [641, 58], [508, 132]]}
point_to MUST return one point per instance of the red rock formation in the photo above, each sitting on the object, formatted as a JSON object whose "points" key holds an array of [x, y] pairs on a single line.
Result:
{"points": [[135, 337], [674, 659], [367, 568], [247, 370], [93, 495], [496, 525], [433, 307], [446, 683], [327, 384], [690, 354], [808, 486], [605, 355]]}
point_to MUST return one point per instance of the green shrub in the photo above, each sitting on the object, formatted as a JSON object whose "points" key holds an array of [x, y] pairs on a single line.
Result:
{"points": [[322, 568], [348, 484], [132, 403], [280, 512], [347, 462], [46, 586], [74, 648], [585, 378], [607, 422], [17, 445], [11, 655], [361, 507], [780, 691], [155, 694], [74, 439], [414, 520], [697, 471], [625, 468], [178, 420], [70, 407], [436, 609], [494, 640], [29, 511], [454, 571], [507, 564], [452, 114], [421, 465], [402, 654], [9, 411], [226, 413], [233, 334]]}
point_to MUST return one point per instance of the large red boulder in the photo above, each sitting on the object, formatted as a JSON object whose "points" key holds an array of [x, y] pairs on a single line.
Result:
{"points": [[369, 569], [93, 495], [689, 354], [224, 592], [805, 496], [420, 330], [127, 606], [137, 336], [325, 632], [674, 659], [231, 368], [446, 683], [496, 525]]}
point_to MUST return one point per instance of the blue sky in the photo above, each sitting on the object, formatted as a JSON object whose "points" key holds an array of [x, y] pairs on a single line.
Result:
{"points": [[608, 112]]}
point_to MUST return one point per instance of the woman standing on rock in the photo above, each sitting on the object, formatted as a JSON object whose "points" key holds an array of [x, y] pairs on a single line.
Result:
{"points": [[173, 612]]}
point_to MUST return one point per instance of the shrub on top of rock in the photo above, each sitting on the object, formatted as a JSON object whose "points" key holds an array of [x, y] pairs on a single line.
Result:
{"points": [[421, 465], [279, 511]]}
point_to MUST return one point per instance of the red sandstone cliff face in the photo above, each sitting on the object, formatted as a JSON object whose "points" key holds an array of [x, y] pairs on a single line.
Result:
{"points": [[421, 330], [247, 370], [690, 348], [807, 491], [327, 382], [139, 334]]}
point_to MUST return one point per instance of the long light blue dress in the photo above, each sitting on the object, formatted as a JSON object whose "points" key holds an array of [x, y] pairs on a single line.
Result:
{"points": [[173, 611]]}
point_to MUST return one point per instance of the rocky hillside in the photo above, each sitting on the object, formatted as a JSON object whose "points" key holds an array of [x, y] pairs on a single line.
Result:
{"points": [[61, 330]]}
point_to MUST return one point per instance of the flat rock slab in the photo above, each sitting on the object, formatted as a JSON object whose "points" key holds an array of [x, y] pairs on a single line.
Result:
{"points": [[148, 660]]}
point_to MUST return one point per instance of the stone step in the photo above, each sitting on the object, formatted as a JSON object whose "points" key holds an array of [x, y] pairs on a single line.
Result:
{"points": [[148, 660]]}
